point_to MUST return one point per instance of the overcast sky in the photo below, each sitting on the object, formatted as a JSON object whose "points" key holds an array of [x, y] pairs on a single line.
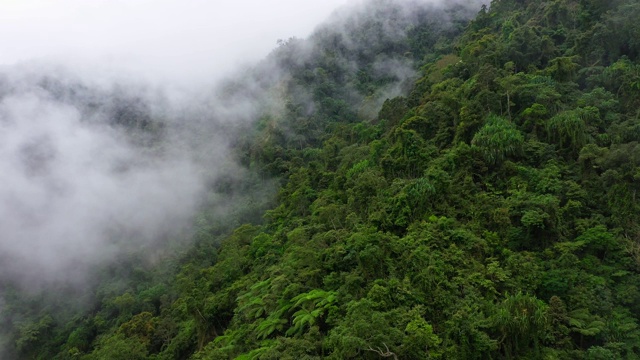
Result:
{"points": [[182, 40]]}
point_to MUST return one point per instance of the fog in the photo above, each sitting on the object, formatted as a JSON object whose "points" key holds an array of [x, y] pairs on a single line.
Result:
{"points": [[118, 116], [77, 188], [181, 41], [111, 127], [73, 189]]}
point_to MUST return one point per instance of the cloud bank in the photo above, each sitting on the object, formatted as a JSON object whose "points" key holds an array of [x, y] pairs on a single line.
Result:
{"points": [[117, 116], [180, 41], [75, 187], [110, 128], [78, 184]]}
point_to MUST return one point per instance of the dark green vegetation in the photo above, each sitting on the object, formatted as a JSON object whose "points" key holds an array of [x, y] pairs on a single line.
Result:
{"points": [[490, 213]]}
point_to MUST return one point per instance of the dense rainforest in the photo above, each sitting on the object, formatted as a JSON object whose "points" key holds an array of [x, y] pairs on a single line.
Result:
{"points": [[453, 184]]}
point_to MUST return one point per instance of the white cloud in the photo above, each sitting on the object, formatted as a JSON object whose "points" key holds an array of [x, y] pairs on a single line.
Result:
{"points": [[72, 176], [185, 40], [70, 179]]}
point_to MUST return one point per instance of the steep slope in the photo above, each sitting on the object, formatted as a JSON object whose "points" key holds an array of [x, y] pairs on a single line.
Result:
{"points": [[489, 214], [296, 96], [484, 208]]}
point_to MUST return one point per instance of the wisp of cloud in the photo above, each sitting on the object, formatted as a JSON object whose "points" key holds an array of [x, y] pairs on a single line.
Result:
{"points": [[109, 129], [78, 185], [116, 117]]}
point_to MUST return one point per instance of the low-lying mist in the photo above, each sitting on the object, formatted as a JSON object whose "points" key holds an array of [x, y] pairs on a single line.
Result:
{"points": [[111, 128], [100, 158], [88, 174]]}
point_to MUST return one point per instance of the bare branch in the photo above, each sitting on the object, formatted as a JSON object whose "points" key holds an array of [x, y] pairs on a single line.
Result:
{"points": [[383, 353]]}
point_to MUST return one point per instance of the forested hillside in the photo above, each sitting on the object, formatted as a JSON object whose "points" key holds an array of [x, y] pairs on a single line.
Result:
{"points": [[448, 188]]}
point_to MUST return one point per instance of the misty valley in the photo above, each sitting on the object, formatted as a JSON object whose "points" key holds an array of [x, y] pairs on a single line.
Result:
{"points": [[416, 179]]}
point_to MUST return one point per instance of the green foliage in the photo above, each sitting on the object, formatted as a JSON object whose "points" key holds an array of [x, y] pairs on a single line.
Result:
{"points": [[118, 347], [522, 321], [490, 212], [497, 140], [29, 333], [313, 306]]}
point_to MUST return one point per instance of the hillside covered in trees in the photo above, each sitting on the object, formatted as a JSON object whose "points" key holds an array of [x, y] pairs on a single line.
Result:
{"points": [[453, 184]]}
